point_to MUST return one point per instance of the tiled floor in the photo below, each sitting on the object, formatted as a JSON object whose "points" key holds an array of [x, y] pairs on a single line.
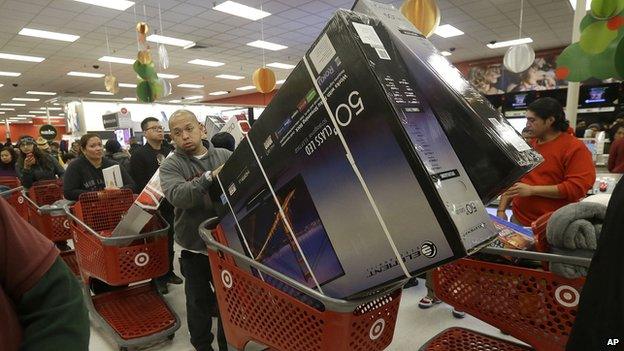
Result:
{"points": [[414, 325]]}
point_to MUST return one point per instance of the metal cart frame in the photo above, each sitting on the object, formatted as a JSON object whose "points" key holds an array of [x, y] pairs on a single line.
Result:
{"points": [[374, 316]]}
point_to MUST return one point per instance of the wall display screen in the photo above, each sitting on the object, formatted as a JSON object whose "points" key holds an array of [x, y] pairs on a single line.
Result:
{"points": [[599, 95], [519, 101]]}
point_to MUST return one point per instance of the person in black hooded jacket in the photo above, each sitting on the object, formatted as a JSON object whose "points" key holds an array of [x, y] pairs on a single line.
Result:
{"points": [[600, 318]]}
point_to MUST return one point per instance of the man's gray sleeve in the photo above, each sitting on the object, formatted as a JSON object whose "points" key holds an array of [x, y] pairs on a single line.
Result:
{"points": [[182, 193]]}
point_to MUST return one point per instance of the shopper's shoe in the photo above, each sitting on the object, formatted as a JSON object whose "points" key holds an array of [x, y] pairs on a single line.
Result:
{"points": [[161, 285], [427, 302], [458, 314], [172, 278]]}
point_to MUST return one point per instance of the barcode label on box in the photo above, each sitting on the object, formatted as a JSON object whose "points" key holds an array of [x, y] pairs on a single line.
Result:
{"points": [[382, 53]]}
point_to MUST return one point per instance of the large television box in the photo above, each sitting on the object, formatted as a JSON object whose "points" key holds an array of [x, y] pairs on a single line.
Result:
{"points": [[368, 185], [492, 152]]}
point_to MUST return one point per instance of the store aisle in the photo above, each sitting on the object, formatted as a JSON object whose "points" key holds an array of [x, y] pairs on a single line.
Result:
{"points": [[414, 325]]}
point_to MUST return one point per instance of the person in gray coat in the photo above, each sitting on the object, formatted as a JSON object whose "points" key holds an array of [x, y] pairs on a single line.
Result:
{"points": [[185, 178]]}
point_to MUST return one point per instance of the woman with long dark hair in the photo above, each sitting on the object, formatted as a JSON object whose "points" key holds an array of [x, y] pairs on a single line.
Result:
{"points": [[8, 158], [33, 165]]}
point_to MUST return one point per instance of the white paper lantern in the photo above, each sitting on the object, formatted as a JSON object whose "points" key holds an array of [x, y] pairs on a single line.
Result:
{"points": [[519, 58]]}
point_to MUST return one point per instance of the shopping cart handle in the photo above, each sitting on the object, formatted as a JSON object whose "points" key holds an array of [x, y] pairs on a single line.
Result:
{"points": [[330, 303], [48, 210], [538, 256], [11, 191]]}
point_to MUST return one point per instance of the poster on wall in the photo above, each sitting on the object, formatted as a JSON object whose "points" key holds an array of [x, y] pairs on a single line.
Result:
{"points": [[492, 79]]}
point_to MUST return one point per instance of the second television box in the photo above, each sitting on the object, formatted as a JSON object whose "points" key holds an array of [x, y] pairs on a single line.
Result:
{"points": [[368, 185]]}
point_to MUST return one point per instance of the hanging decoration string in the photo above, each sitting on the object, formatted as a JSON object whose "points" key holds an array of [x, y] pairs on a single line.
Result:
{"points": [[160, 20], [262, 37], [135, 21], [521, 19], [108, 50]]}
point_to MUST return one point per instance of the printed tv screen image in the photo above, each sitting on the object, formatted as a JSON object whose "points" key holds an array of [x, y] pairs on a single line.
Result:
{"points": [[270, 242]]}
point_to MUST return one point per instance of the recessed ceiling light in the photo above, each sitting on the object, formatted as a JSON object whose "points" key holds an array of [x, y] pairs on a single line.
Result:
{"points": [[127, 85], [7, 104], [15, 57], [2, 112], [240, 10], [281, 65], [281, 81], [6, 108], [31, 92], [174, 101], [587, 4], [191, 86], [448, 31], [38, 112], [445, 53], [100, 93], [246, 87], [194, 97], [507, 43], [10, 74], [125, 61], [221, 92], [129, 99], [26, 116], [161, 39], [25, 99], [206, 63], [1, 85], [267, 45], [48, 35], [229, 76], [85, 74], [120, 5], [52, 108], [167, 76]]}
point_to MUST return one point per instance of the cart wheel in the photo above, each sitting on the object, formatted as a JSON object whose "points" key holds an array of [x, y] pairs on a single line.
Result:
{"points": [[170, 336]]}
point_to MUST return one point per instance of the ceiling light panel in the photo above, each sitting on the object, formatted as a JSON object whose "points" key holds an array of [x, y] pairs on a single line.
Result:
{"points": [[48, 35], [127, 85], [246, 87], [167, 76], [85, 74], [445, 53], [15, 57], [129, 99], [100, 93], [190, 86], [161, 39], [25, 99], [229, 76], [11, 104], [507, 43], [587, 4], [267, 45], [206, 63], [120, 5], [448, 31], [10, 74], [281, 65], [216, 93], [240, 10], [51, 108], [32, 92]]}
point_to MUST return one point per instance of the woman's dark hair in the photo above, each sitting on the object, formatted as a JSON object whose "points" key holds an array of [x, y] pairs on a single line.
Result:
{"points": [[13, 155], [112, 146], [548, 107], [613, 131], [85, 139]]}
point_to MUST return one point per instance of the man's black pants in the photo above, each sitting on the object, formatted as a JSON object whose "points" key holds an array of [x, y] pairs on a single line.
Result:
{"points": [[201, 302]]}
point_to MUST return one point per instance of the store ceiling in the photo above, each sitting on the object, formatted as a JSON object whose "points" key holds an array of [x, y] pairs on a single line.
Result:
{"points": [[294, 23]]}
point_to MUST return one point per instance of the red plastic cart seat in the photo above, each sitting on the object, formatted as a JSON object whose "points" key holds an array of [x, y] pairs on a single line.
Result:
{"points": [[460, 339], [135, 312], [70, 259]]}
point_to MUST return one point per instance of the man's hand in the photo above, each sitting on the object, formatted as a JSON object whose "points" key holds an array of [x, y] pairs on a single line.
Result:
{"points": [[502, 214], [216, 171], [519, 189]]}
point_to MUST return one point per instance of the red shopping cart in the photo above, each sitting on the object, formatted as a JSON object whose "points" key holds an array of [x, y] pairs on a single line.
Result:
{"points": [[14, 196], [532, 305], [133, 315], [255, 311]]}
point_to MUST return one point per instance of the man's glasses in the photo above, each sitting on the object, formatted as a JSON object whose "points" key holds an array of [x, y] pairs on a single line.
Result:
{"points": [[178, 132], [156, 128]]}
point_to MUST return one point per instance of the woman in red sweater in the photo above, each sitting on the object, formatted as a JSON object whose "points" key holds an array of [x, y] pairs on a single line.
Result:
{"points": [[564, 177], [616, 152]]}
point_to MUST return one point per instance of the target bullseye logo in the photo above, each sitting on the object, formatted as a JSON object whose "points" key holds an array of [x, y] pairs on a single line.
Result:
{"points": [[377, 329], [141, 259], [66, 224], [20, 200], [226, 278], [567, 296]]}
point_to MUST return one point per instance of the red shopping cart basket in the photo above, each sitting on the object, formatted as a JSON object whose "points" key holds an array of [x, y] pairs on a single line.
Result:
{"points": [[116, 260], [252, 310], [15, 197], [50, 220], [535, 306]]}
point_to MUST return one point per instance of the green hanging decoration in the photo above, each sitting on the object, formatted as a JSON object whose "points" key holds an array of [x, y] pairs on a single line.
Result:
{"points": [[149, 88], [600, 51]]}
